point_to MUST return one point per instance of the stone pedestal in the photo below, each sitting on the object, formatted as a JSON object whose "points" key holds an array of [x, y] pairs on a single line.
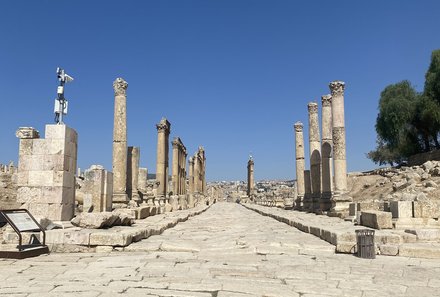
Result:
{"points": [[98, 185], [300, 165], [326, 151], [142, 182], [340, 199], [315, 155], [120, 197], [46, 172]]}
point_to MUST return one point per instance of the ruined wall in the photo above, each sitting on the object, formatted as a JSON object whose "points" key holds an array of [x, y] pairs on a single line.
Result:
{"points": [[8, 191]]}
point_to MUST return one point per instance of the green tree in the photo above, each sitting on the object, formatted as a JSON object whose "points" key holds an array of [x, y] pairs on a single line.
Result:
{"points": [[432, 77], [397, 136], [426, 120]]}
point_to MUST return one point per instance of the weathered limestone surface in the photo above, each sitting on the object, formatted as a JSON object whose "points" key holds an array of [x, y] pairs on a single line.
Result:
{"points": [[340, 200], [98, 186], [300, 165], [377, 219], [46, 172], [401, 209], [315, 155], [119, 166], [326, 150], [226, 251]]}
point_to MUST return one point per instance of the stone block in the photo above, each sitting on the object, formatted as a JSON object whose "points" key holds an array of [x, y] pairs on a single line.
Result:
{"points": [[142, 212], [420, 250], [401, 209], [389, 249], [25, 194], [426, 234], [79, 237], [40, 178], [110, 238], [425, 209], [40, 147], [25, 147], [377, 219]]}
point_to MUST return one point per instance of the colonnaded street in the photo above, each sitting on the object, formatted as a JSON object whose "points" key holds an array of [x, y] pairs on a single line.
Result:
{"points": [[226, 251]]}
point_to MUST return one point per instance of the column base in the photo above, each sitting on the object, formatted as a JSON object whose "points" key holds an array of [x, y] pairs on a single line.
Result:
{"points": [[325, 203], [340, 205], [120, 200]]}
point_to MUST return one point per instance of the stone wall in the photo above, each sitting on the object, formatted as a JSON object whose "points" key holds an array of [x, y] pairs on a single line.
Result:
{"points": [[419, 159]]}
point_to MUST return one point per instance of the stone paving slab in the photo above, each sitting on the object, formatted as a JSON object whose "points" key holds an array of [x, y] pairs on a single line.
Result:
{"points": [[218, 253], [342, 234]]}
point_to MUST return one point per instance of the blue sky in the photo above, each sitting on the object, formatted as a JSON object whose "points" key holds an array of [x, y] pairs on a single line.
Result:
{"points": [[231, 75]]}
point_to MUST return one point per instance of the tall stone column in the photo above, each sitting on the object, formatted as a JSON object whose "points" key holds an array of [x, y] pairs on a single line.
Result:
{"points": [[191, 182], [133, 156], [315, 155], [196, 174], [175, 168], [340, 199], [119, 166], [326, 149], [163, 132], [250, 175], [300, 164]]}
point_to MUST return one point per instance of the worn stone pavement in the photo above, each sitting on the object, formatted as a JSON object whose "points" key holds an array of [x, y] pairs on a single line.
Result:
{"points": [[226, 251]]}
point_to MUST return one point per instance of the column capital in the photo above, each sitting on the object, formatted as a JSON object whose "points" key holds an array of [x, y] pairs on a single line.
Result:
{"points": [[120, 87], [27, 133], [312, 107], [337, 87], [326, 100], [298, 127], [163, 126]]}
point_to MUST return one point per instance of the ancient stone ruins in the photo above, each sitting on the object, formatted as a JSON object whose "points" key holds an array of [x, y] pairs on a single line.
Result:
{"points": [[102, 210]]}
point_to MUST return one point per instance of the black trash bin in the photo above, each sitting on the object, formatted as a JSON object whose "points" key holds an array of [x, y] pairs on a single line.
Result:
{"points": [[365, 244]]}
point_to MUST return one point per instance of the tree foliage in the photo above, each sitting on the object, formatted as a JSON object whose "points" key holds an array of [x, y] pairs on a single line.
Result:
{"points": [[408, 122]]}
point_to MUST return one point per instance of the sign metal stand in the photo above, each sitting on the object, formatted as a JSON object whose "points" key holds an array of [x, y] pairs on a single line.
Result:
{"points": [[22, 221]]}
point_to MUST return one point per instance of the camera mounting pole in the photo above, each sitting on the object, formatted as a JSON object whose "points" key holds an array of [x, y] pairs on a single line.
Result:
{"points": [[60, 108]]}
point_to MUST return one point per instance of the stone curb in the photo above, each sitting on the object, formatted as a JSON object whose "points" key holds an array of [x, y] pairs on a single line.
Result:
{"points": [[342, 234], [90, 240]]}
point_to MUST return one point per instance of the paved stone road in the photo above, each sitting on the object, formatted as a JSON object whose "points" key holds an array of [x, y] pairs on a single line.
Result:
{"points": [[226, 251]]}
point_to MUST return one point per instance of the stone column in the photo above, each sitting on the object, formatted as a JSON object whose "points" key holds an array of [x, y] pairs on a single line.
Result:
{"points": [[175, 168], [315, 155], [133, 155], [250, 175], [326, 149], [307, 202], [163, 132], [340, 201], [191, 182], [120, 196], [196, 174], [300, 164]]}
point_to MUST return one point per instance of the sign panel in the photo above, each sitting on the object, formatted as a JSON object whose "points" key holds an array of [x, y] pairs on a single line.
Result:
{"points": [[22, 221]]}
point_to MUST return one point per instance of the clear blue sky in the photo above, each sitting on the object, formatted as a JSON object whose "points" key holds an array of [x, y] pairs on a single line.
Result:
{"points": [[231, 75]]}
